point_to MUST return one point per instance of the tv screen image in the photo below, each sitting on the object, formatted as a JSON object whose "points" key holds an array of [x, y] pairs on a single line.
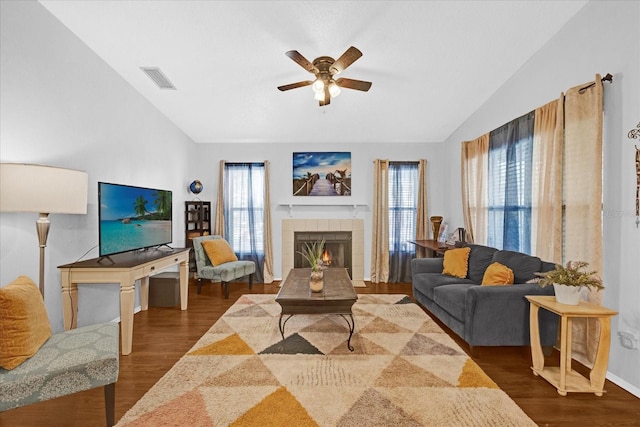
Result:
{"points": [[132, 218]]}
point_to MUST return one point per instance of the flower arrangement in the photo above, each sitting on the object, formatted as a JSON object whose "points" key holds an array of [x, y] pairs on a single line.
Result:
{"points": [[313, 254], [575, 273]]}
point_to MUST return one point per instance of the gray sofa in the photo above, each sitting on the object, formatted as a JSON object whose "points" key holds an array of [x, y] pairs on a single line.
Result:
{"points": [[485, 315]]}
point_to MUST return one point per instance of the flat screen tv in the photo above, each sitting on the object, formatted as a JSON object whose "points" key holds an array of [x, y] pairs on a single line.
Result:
{"points": [[132, 218]]}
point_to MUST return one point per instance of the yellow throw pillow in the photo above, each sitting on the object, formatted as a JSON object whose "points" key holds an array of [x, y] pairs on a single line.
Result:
{"points": [[497, 275], [218, 251], [24, 324], [456, 262]]}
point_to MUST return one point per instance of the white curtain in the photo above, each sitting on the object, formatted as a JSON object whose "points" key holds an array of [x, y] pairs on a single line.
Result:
{"points": [[218, 225], [546, 191], [474, 167], [380, 223], [582, 182], [268, 240], [422, 213]]}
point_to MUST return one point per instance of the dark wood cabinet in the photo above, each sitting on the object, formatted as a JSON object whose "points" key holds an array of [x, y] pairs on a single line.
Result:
{"points": [[197, 222]]}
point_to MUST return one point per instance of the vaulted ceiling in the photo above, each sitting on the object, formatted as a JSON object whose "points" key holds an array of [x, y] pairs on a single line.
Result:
{"points": [[432, 63]]}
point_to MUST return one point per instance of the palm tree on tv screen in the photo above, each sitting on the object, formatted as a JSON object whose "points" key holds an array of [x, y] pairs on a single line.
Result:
{"points": [[140, 206], [162, 202]]}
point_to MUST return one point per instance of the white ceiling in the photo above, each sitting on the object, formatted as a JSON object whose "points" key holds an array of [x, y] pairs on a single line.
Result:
{"points": [[432, 63]]}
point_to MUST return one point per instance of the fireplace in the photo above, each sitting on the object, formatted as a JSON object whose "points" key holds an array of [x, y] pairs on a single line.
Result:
{"points": [[337, 248], [355, 226]]}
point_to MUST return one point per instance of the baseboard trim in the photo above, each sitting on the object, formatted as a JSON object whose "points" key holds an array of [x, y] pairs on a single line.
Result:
{"points": [[135, 310], [623, 384]]}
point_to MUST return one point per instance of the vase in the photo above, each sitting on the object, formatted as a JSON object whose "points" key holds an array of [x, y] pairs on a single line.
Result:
{"points": [[316, 283], [435, 226], [569, 295]]}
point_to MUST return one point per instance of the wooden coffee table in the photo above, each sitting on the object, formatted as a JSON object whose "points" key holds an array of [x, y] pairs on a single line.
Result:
{"points": [[336, 297]]}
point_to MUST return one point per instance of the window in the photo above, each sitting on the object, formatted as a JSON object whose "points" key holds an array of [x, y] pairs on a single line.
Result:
{"points": [[509, 185], [403, 203], [244, 208]]}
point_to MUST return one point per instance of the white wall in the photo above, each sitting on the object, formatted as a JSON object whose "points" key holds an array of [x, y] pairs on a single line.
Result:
{"points": [[61, 105], [603, 37], [362, 156]]}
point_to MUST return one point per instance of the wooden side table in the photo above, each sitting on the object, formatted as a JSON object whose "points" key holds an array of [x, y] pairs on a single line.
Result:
{"points": [[563, 378], [433, 247]]}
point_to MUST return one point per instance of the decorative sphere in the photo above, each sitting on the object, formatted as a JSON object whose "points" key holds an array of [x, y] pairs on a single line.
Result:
{"points": [[196, 187]]}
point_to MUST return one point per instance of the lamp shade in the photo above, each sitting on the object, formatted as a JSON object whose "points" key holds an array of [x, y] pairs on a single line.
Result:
{"points": [[43, 189]]}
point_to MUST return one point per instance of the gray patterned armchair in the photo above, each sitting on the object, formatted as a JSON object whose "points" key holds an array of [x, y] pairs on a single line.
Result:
{"points": [[68, 362], [223, 273]]}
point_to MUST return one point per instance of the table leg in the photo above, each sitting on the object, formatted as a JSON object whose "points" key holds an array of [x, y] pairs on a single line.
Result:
{"points": [[127, 300], [569, 350], [563, 356], [599, 371], [537, 357], [282, 324], [184, 283], [144, 293], [352, 326], [69, 301]]}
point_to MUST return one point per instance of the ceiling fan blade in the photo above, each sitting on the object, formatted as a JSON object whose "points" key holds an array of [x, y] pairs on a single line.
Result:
{"points": [[347, 58], [302, 61], [295, 85], [354, 84]]}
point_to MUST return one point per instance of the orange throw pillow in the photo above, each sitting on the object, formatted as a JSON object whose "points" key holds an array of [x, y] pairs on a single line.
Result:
{"points": [[218, 251], [24, 323], [456, 262], [497, 275]]}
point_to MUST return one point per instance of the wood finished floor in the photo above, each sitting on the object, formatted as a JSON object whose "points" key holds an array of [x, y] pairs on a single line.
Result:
{"points": [[163, 335]]}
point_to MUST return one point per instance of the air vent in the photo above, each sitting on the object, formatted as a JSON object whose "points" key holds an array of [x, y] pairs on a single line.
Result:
{"points": [[158, 77]]}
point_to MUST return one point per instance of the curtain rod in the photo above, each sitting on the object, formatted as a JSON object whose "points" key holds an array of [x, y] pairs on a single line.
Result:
{"points": [[608, 78]]}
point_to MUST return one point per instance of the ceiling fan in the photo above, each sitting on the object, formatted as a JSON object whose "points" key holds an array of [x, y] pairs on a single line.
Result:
{"points": [[324, 68]]}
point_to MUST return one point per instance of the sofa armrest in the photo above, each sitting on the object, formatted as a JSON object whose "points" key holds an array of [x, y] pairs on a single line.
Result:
{"points": [[426, 265], [495, 315]]}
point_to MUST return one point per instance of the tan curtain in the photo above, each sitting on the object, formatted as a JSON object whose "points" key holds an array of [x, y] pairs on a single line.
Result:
{"points": [[474, 167], [218, 226], [583, 198], [546, 191], [422, 214], [380, 223], [268, 240]]}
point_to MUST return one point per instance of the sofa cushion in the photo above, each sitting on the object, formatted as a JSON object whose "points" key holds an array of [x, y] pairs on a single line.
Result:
{"points": [[479, 259], [218, 251], [425, 283], [524, 266], [456, 262], [24, 323], [497, 275], [451, 298]]}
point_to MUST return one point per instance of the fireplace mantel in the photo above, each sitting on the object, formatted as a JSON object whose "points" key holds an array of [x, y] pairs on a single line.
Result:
{"points": [[356, 226], [291, 206]]}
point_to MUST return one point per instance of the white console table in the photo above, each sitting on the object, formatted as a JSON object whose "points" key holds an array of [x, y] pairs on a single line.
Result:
{"points": [[123, 269]]}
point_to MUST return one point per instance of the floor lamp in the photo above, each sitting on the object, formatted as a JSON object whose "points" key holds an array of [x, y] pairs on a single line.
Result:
{"points": [[45, 190]]}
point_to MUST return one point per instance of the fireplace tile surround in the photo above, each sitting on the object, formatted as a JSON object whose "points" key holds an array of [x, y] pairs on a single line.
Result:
{"points": [[356, 226]]}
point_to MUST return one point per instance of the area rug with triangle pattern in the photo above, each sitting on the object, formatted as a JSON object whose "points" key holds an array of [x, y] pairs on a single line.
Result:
{"points": [[405, 371]]}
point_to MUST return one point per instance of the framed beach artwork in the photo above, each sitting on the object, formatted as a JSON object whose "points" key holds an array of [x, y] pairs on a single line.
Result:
{"points": [[325, 173]]}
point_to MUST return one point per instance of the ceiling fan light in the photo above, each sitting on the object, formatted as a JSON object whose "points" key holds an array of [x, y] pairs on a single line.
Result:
{"points": [[334, 89], [318, 96], [318, 86]]}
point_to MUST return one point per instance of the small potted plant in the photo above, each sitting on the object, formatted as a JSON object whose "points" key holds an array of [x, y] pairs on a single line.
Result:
{"points": [[569, 280], [313, 254]]}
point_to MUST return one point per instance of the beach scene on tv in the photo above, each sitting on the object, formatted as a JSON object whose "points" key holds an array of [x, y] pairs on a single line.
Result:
{"points": [[322, 173], [133, 218]]}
